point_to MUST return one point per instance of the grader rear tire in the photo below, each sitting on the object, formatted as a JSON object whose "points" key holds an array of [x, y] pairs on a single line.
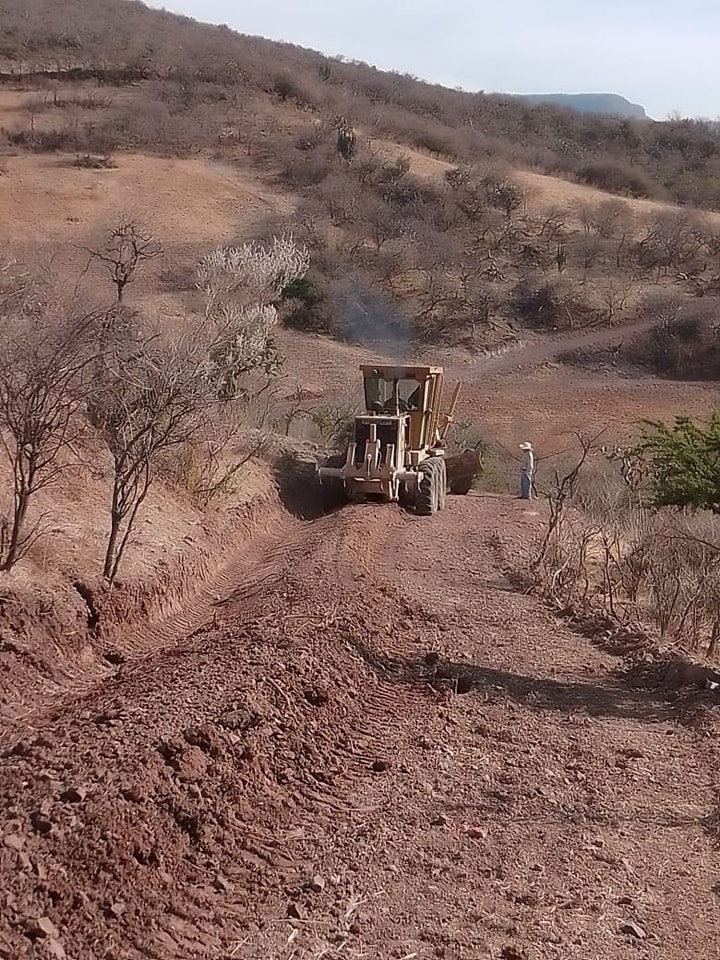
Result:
{"points": [[426, 501]]}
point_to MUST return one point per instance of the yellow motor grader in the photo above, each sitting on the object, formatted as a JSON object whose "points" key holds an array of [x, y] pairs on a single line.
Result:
{"points": [[398, 449]]}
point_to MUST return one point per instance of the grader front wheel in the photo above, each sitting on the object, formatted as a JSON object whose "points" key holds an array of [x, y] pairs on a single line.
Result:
{"points": [[431, 487], [426, 501]]}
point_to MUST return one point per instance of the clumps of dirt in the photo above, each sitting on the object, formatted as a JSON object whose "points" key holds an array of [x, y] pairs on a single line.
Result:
{"points": [[672, 672], [60, 634], [646, 663], [150, 824], [692, 686], [44, 644], [89, 595]]}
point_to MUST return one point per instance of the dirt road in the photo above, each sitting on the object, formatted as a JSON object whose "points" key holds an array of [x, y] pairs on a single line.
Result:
{"points": [[291, 781], [531, 353]]}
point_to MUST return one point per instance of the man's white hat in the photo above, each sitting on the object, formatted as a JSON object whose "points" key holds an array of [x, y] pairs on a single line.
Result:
{"points": [[525, 446]]}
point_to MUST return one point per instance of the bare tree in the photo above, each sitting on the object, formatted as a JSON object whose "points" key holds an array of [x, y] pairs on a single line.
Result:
{"points": [[334, 419], [605, 218], [563, 490], [128, 246], [156, 396], [44, 375], [671, 241], [434, 291], [589, 250], [297, 406], [612, 218], [614, 293], [504, 194], [151, 398], [211, 466], [381, 223], [340, 200], [552, 223]]}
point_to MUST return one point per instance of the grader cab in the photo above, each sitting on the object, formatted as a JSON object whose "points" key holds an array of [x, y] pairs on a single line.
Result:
{"points": [[397, 453]]}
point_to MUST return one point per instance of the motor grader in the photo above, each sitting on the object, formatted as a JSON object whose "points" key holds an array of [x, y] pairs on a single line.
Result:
{"points": [[397, 453]]}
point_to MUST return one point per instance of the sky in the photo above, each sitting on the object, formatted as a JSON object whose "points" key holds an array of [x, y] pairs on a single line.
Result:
{"points": [[659, 53]]}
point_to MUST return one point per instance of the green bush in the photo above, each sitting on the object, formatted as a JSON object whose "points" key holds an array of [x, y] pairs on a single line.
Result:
{"points": [[306, 307], [684, 462]]}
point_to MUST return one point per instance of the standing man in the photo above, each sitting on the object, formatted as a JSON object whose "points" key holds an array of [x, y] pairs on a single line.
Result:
{"points": [[527, 468]]}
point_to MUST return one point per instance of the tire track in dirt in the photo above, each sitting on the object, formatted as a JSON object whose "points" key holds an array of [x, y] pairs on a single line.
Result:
{"points": [[586, 781], [298, 739], [152, 701], [268, 533], [341, 551]]}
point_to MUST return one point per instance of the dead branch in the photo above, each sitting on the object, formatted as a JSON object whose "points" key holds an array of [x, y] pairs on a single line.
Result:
{"points": [[126, 248]]}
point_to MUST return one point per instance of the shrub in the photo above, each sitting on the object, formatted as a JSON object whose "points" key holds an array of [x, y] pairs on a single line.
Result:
{"points": [[617, 178], [685, 341], [88, 161], [684, 463], [305, 169], [434, 143], [306, 306], [47, 141], [551, 305], [283, 87]]}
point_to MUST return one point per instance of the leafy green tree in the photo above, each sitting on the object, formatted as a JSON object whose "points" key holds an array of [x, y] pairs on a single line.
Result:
{"points": [[684, 462]]}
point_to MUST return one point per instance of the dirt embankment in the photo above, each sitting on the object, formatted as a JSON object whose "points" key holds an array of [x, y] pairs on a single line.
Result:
{"points": [[63, 631], [299, 778]]}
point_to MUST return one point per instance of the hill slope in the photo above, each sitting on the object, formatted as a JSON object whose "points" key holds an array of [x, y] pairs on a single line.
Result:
{"points": [[148, 43], [429, 225], [453, 248]]}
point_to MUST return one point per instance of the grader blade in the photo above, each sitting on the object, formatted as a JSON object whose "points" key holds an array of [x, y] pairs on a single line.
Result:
{"points": [[462, 470]]}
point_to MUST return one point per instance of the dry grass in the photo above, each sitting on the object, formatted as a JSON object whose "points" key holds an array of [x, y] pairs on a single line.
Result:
{"points": [[547, 192], [657, 569], [46, 200]]}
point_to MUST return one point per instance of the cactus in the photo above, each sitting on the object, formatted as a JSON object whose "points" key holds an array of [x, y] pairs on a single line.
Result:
{"points": [[561, 257], [346, 139]]}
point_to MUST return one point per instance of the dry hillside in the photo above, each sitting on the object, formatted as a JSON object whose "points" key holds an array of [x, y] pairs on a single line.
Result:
{"points": [[274, 733], [431, 215]]}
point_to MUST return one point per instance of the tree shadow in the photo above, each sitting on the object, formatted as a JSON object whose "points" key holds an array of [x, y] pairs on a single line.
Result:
{"points": [[495, 685], [298, 487]]}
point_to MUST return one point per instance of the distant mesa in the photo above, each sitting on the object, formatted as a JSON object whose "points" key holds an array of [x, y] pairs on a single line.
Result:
{"points": [[608, 103]]}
